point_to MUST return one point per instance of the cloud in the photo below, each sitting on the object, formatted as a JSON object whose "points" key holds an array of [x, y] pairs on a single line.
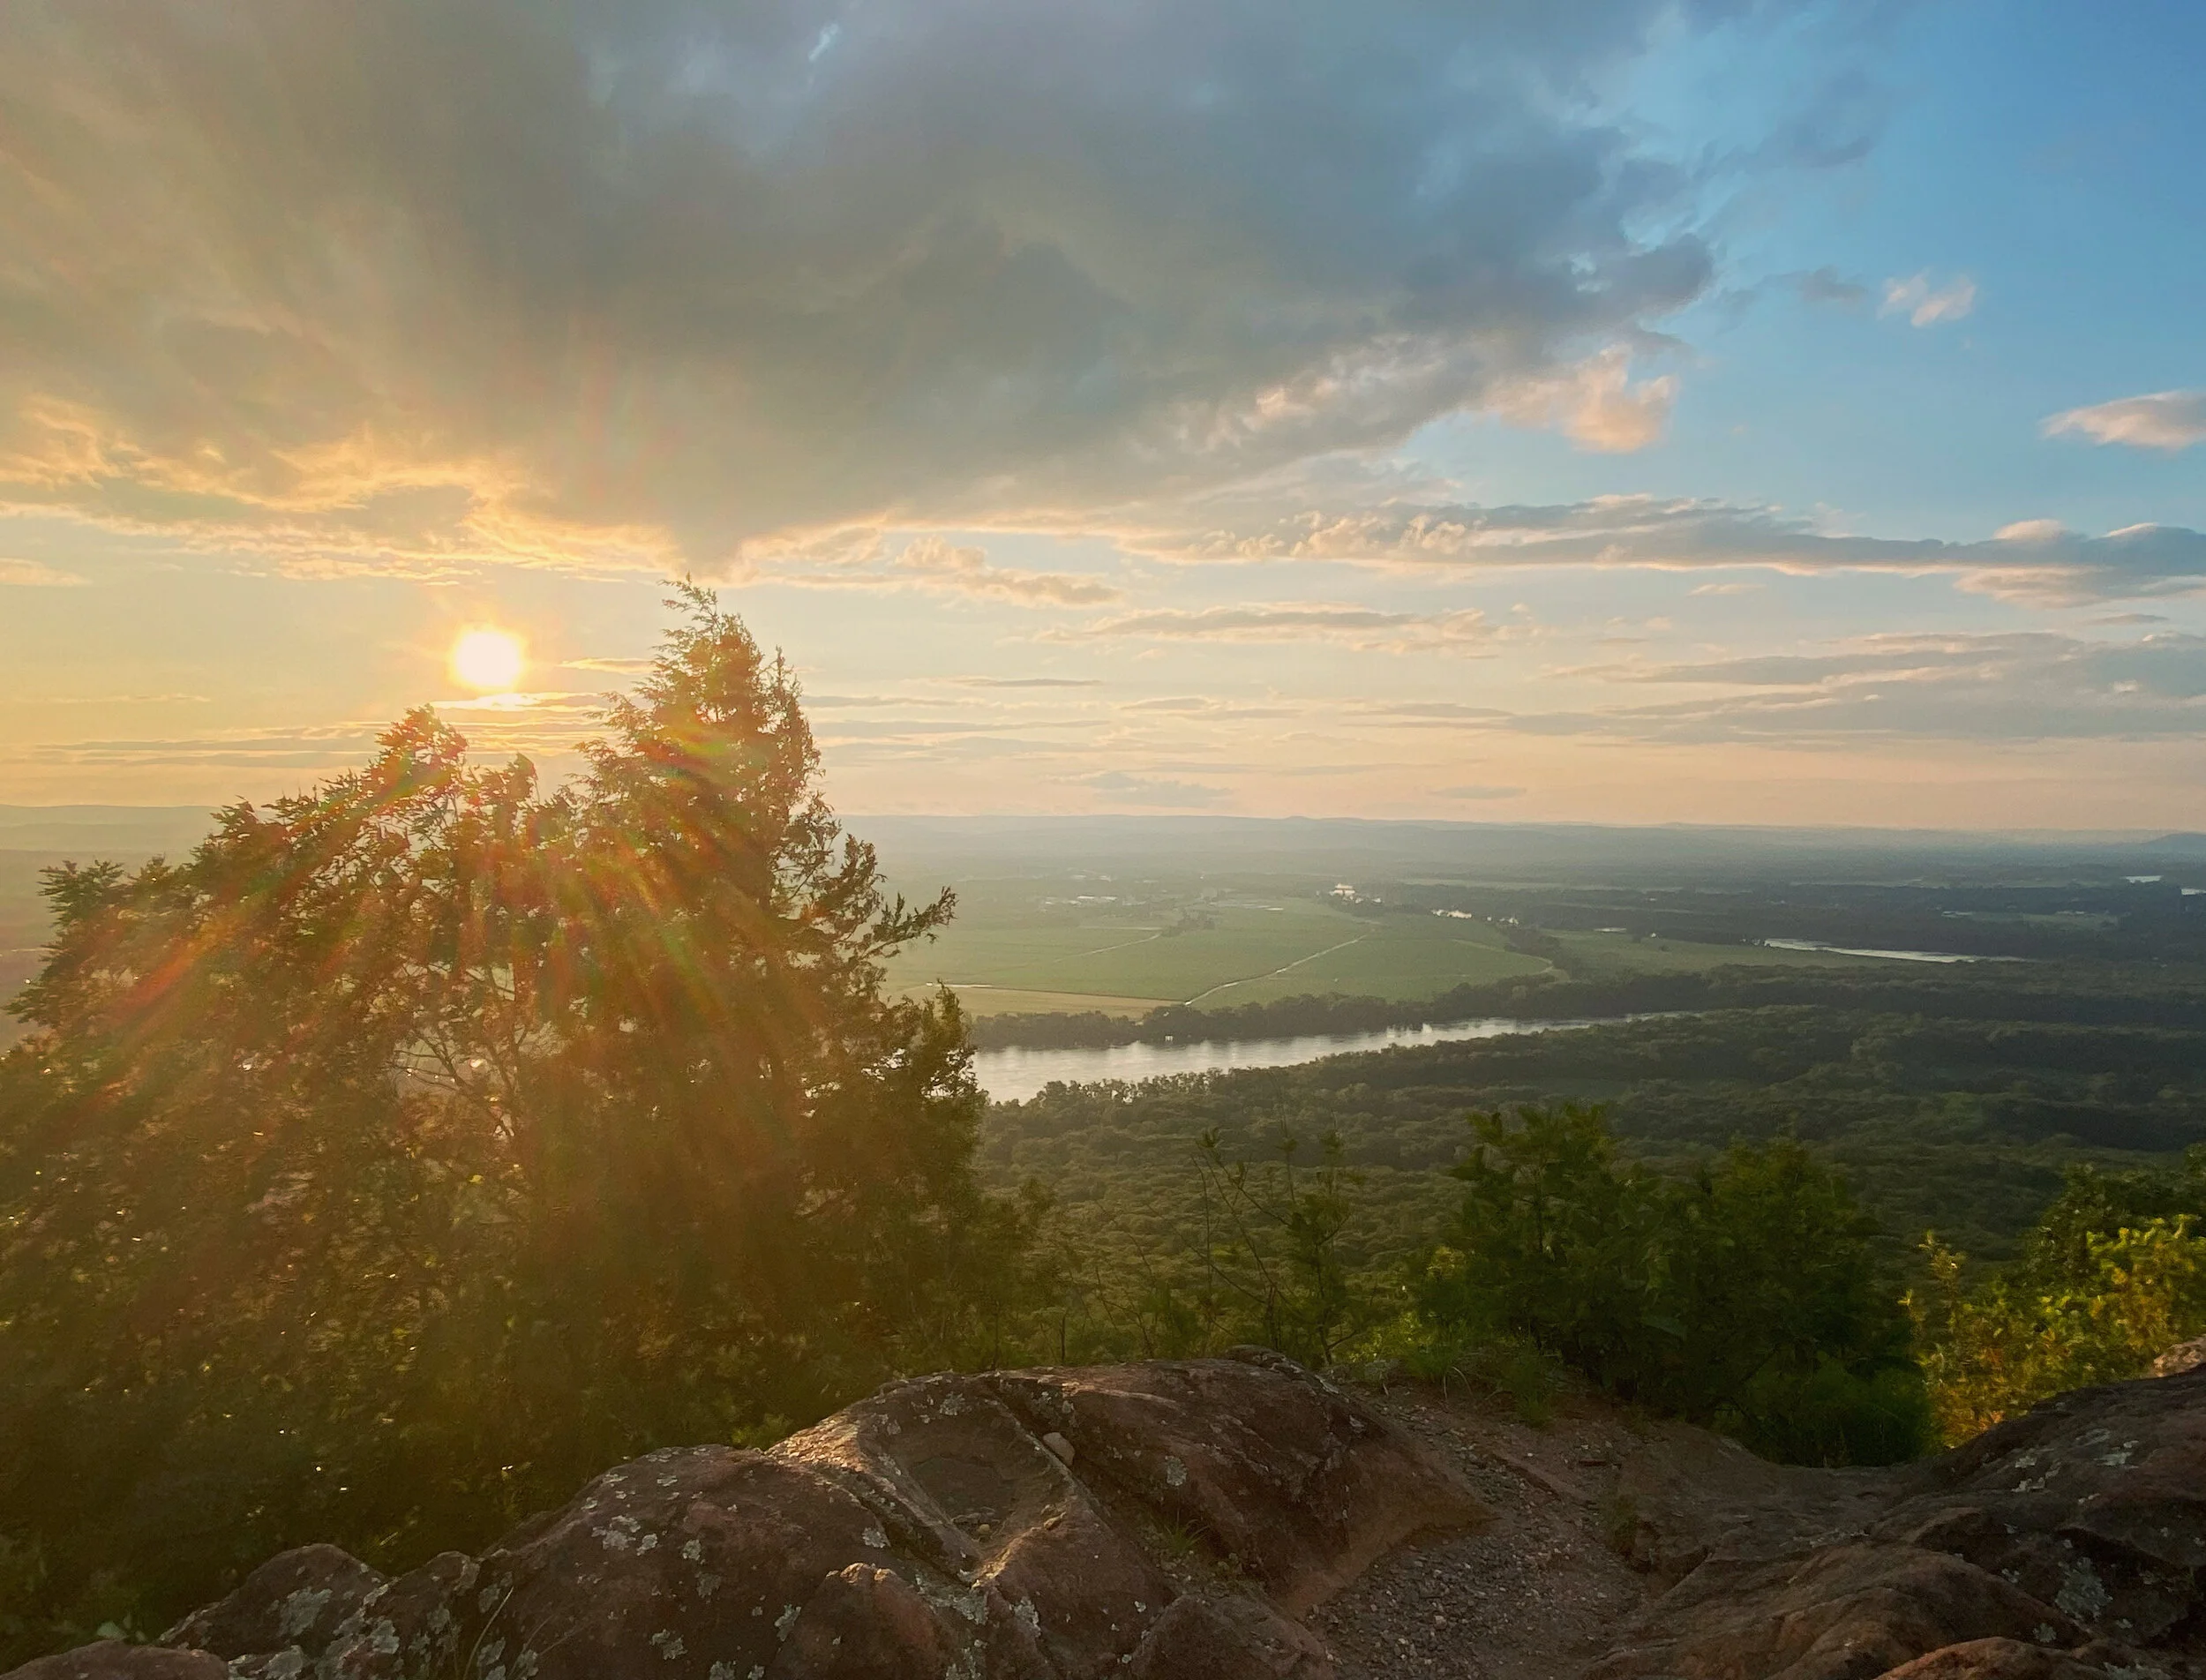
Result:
{"points": [[111, 699], [1429, 712], [1028, 682], [613, 284], [857, 558], [2007, 687], [35, 575], [1367, 629], [1210, 710], [1478, 790], [2034, 561], [1594, 404], [1189, 705], [1927, 306], [2169, 420], [1839, 121], [616, 667], [1117, 787], [965, 570], [1826, 286]]}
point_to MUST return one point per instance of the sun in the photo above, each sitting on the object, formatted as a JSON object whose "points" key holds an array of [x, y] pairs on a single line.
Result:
{"points": [[488, 660]]}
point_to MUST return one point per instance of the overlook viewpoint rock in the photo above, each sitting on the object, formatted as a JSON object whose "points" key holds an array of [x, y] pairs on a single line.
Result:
{"points": [[1239, 1519]]}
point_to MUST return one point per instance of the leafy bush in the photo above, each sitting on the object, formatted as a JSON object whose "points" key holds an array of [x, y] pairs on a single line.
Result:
{"points": [[1746, 1296], [2113, 1275], [423, 1144]]}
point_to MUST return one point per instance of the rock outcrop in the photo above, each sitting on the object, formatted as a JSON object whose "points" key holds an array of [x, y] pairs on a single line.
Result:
{"points": [[1184, 1520], [2067, 1543], [1164, 1521]]}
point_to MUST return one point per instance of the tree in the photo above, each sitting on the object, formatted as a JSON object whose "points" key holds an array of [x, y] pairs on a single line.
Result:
{"points": [[424, 1143], [1746, 1296]]}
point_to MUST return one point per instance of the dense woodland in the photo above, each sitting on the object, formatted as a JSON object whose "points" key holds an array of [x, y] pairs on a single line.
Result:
{"points": [[415, 1148], [2081, 990], [1963, 1125]]}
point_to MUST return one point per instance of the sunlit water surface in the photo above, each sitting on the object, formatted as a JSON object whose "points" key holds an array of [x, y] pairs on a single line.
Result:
{"points": [[1013, 1075]]}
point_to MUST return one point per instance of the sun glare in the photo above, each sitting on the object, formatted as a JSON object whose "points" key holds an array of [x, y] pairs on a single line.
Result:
{"points": [[488, 660]]}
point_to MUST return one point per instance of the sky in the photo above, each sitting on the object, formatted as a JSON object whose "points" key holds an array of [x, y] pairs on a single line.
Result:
{"points": [[1602, 410]]}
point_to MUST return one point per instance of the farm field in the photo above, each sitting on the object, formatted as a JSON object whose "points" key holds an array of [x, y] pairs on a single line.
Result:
{"points": [[1008, 957], [1606, 955]]}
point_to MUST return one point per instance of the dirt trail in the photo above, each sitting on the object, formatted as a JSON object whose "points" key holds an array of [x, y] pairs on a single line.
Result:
{"points": [[1595, 1516]]}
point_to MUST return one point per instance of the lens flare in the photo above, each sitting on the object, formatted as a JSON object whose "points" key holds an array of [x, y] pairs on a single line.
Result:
{"points": [[488, 660]]}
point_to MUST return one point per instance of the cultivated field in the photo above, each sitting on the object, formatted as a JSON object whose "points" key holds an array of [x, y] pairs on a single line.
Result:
{"points": [[1593, 956], [1009, 956]]}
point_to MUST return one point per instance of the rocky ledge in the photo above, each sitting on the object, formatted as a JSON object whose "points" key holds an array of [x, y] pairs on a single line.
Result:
{"points": [[2067, 1543], [1162, 1521], [1187, 1520]]}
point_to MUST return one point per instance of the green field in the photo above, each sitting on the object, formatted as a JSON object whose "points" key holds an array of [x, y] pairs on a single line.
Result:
{"points": [[1597, 957], [1013, 957]]}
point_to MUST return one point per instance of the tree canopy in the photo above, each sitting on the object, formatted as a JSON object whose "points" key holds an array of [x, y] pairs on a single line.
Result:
{"points": [[425, 1142]]}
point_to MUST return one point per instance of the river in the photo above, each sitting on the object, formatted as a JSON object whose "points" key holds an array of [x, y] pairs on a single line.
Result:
{"points": [[1015, 1074]]}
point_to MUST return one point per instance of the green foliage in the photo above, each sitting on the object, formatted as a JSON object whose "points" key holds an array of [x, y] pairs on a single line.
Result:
{"points": [[1273, 1245], [1449, 1354], [2113, 1276], [1966, 1125], [1746, 1296], [1259, 1257], [419, 1145]]}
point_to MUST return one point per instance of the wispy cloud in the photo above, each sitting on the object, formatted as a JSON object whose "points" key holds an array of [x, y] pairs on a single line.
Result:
{"points": [[1366, 628], [1208, 710], [1827, 287], [1121, 787], [1029, 682], [111, 700], [965, 570], [1594, 404], [1479, 790], [2032, 560], [2168, 420], [2008, 688], [35, 575], [859, 558], [614, 667], [1925, 304]]}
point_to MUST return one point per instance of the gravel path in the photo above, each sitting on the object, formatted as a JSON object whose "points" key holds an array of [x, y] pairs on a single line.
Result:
{"points": [[1595, 1516], [1534, 1597]]}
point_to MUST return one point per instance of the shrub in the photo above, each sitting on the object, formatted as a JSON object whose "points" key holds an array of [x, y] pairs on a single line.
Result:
{"points": [[2086, 1306]]}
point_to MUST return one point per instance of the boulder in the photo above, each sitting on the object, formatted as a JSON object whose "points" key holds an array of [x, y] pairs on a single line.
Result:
{"points": [[113, 1660], [1227, 1638], [403, 1628], [2183, 1357], [939, 1528], [2068, 1541], [295, 1600]]}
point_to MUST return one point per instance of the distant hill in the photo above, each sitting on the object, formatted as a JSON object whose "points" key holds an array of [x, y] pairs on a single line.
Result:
{"points": [[102, 830], [914, 848]]}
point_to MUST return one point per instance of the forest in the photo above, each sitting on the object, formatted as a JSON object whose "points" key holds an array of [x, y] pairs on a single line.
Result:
{"points": [[412, 1148]]}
